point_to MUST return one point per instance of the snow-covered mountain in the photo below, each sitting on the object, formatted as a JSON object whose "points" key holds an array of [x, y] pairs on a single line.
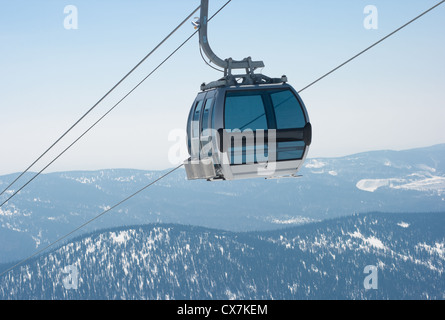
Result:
{"points": [[322, 260], [56, 203]]}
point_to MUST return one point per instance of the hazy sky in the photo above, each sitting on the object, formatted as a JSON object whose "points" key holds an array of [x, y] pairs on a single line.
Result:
{"points": [[392, 97]]}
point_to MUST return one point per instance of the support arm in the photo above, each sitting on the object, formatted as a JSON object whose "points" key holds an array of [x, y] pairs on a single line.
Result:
{"points": [[227, 64]]}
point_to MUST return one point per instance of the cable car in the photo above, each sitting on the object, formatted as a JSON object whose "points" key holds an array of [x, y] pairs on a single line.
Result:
{"points": [[247, 125]]}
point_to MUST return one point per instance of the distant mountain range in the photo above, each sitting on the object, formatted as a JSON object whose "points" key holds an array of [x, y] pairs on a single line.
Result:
{"points": [[366, 256], [55, 203]]}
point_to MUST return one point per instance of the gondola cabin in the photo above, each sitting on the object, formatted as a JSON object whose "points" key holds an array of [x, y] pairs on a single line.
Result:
{"points": [[247, 131]]}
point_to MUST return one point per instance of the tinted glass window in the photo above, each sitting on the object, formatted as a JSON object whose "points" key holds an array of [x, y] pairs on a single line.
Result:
{"points": [[290, 150], [205, 116], [243, 154], [195, 121], [288, 112], [244, 110], [266, 109], [206, 146]]}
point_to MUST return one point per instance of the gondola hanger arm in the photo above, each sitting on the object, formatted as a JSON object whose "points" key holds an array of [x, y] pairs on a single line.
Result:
{"points": [[226, 64]]}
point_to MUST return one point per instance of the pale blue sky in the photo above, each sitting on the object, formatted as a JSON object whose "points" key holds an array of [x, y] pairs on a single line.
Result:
{"points": [[390, 98]]}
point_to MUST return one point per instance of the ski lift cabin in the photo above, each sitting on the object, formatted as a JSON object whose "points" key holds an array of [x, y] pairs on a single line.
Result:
{"points": [[245, 126], [247, 131]]}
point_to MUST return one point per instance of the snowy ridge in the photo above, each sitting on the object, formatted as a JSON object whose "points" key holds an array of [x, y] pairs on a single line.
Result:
{"points": [[384, 181], [183, 262]]}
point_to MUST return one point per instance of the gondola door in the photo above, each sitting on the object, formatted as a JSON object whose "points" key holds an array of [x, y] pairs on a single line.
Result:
{"points": [[206, 135], [195, 130]]}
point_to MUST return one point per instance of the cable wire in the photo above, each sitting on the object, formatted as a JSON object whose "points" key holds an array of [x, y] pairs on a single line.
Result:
{"points": [[100, 100], [129, 197], [90, 221], [371, 46], [171, 171], [112, 108]]}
